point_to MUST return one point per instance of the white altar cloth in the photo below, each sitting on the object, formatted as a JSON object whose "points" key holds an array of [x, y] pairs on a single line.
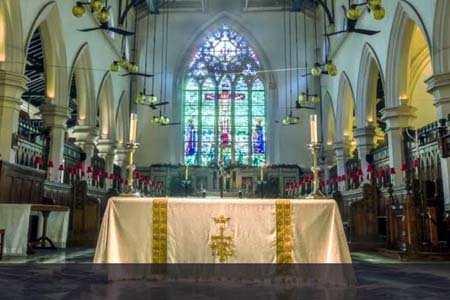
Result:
{"points": [[259, 231], [15, 219]]}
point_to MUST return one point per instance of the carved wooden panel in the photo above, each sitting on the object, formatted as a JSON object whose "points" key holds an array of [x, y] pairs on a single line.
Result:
{"points": [[19, 184]]}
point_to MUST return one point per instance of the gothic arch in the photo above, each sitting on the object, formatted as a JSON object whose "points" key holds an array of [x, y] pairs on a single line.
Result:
{"points": [[345, 105], [11, 37], [121, 120], [56, 74], [82, 69], [105, 101], [441, 38], [209, 27], [329, 120], [367, 86], [405, 20]]}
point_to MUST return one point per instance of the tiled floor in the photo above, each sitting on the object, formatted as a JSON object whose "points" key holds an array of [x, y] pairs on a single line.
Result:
{"points": [[70, 275]]}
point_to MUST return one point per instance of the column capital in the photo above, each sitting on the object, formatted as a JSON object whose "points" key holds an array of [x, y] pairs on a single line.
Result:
{"points": [[85, 135], [364, 132], [106, 147], [341, 148], [121, 155], [398, 117], [438, 81], [439, 86], [55, 116], [12, 86], [364, 136]]}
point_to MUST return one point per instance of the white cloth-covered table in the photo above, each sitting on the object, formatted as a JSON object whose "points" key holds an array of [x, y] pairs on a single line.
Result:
{"points": [[146, 230], [15, 219]]}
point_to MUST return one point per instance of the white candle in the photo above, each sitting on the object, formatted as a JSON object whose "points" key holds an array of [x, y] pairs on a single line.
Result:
{"points": [[186, 173], [262, 173], [133, 127], [313, 124]]}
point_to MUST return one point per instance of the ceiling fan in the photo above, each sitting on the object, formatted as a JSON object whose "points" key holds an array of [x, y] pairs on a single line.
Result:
{"points": [[352, 15], [103, 17]]}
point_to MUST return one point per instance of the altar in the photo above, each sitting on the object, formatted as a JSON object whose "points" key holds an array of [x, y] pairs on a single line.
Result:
{"points": [[199, 231]]}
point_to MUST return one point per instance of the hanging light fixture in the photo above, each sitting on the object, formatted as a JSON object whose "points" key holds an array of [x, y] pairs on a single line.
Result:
{"points": [[378, 12], [373, 3], [304, 98], [96, 6], [289, 119], [353, 12], [331, 68], [115, 66], [103, 15], [78, 10], [316, 71], [375, 7]]}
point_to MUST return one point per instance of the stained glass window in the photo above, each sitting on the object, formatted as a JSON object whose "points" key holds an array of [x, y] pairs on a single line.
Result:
{"points": [[224, 103]]}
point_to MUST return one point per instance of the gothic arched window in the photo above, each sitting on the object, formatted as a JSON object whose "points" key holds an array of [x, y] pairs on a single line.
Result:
{"points": [[224, 103]]}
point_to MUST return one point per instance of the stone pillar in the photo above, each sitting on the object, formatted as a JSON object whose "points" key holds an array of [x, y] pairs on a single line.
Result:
{"points": [[439, 86], [121, 158], [55, 117], [364, 141], [341, 150], [397, 119], [86, 138], [106, 150], [12, 86]]}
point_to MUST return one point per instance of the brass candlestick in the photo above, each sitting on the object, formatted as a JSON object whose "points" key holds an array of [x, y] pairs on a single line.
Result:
{"points": [[130, 191], [316, 193]]}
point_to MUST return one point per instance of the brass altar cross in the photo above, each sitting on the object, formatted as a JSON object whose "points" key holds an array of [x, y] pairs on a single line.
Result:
{"points": [[221, 244]]}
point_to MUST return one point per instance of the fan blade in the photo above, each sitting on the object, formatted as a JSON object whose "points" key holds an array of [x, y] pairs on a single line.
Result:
{"points": [[154, 106], [119, 31], [306, 107], [307, 74], [90, 29], [141, 74], [136, 74], [336, 33], [365, 31], [170, 124]]}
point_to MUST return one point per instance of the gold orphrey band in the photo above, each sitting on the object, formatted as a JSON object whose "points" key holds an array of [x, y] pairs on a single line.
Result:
{"points": [[284, 232], [159, 246]]}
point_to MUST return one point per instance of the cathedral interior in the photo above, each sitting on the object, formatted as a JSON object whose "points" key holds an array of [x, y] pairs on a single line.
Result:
{"points": [[209, 101]]}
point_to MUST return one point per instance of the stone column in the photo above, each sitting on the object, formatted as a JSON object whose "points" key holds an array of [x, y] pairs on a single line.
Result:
{"points": [[397, 119], [106, 150], [55, 117], [341, 150], [12, 86], [364, 141], [121, 158], [86, 138], [439, 86]]}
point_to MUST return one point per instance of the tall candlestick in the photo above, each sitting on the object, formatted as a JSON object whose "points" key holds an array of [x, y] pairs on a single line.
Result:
{"points": [[313, 124], [133, 127]]}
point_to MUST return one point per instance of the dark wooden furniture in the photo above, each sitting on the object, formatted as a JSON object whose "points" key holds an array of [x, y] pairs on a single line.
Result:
{"points": [[24, 185], [46, 209], [2, 242]]}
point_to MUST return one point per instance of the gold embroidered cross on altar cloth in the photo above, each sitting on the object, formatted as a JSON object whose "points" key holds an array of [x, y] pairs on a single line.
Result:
{"points": [[221, 245]]}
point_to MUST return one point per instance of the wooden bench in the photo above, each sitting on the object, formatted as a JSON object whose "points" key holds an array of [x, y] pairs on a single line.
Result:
{"points": [[2, 242]]}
